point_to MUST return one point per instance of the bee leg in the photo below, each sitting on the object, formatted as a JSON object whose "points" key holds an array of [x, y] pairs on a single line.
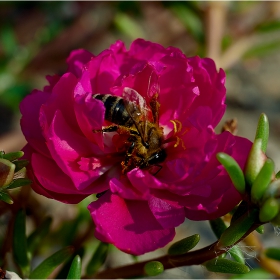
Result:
{"points": [[159, 168], [128, 159]]}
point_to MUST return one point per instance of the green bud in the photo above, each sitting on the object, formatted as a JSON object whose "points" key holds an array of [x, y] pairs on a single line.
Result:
{"points": [[218, 226], [260, 229], [234, 171], [273, 253], [277, 175], [269, 210], [153, 268], [7, 171], [256, 273], [237, 254], [276, 220], [262, 181], [184, 245], [237, 229], [226, 266], [255, 162], [263, 131], [13, 156]]}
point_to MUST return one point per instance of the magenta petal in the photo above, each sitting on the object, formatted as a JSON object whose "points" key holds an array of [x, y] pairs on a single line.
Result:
{"points": [[68, 153], [166, 214], [128, 224], [30, 120], [76, 61]]}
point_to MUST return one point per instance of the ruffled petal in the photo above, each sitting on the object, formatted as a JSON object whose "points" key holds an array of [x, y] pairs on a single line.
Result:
{"points": [[128, 224]]}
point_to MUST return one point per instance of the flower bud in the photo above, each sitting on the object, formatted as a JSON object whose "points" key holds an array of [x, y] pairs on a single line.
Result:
{"points": [[269, 210], [153, 268], [7, 170]]}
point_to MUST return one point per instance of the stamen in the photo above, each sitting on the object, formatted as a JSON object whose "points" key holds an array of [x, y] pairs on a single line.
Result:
{"points": [[177, 125]]}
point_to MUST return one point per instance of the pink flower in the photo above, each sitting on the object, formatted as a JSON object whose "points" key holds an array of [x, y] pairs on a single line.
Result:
{"points": [[140, 202]]}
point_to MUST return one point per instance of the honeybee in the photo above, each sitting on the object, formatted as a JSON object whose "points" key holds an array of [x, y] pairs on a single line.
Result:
{"points": [[138, 124]]}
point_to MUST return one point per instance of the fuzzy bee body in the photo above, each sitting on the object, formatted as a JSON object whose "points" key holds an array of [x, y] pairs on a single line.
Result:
{"points": [[134, 120], [115, 110]]}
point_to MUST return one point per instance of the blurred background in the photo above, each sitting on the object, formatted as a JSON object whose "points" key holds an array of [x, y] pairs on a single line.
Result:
{"points": [[243, 37]]}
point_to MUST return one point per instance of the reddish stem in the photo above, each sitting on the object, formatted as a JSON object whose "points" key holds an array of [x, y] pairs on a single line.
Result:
{"points": [[191, 258]]}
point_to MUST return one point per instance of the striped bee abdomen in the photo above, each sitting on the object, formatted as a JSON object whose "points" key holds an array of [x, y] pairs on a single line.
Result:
{"points": [[115, 109]]}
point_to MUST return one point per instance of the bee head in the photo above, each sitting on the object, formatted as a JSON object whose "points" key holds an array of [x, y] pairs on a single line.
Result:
{"points": [[157, 157]]}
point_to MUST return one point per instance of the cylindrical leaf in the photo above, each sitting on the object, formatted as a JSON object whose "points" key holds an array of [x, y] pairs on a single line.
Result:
{"points": [[44, 269], [7, 171], [237, 229], [263, 131], [153, 268], [20, 182], [98, 258], [242, 208], [226, 266], [269, 210], [75, 269], [218, 226], [273, 253], [184, 245], [255, 162], [20, 164], [273, 190], [13, 156], [234, 171], [19, 242], [6, 197], [276, 220], [256, 273], [35, 238], [262, 181], [237, 254]]}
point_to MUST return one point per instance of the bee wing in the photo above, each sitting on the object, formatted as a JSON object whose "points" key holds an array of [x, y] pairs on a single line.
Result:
{"points": [[138, 110]]}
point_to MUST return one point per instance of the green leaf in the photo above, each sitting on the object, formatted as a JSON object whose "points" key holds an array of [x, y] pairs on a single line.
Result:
{"points": [[263, 131], [7, 171], [218, 226], [226, 266], [273, 253], [13, 156], [153, 268], [256, 273], [237, 254], [238, 228], [255, 162], [269, 210], [242, 208], [234, 171], [20, 182], [20, 243], [184, 245], [6, 197], [36, 237], [262, 181], [44, 269], [277, 175], [260, 229], [75, 269], [20, 164], [98, 258]]}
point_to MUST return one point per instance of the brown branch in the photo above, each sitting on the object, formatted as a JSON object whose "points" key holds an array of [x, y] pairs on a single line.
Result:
{"points": [[191, 258]]}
